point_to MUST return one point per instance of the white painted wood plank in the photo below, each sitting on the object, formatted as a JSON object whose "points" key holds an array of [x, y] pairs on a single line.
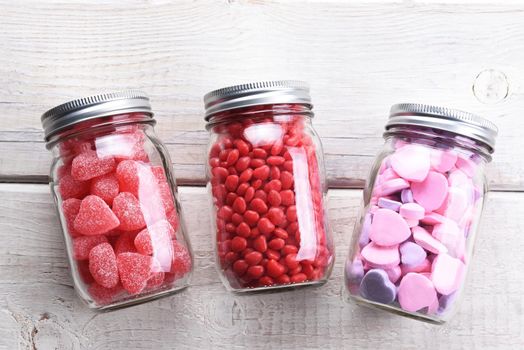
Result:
{"points": [[39, 310], [359, 57]]}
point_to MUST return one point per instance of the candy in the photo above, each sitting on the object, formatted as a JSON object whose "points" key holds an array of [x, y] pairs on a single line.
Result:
{"points": [[256, 176], [102, 265], [392, 186], [427, 241], [69, 187], [411, 162], [156, 240], [380, 256], [451, 236], [443, 161], [406, 196], [128, 210], [95, 217], [455, 205], [389, 204], [376, 286], [82, 245], [411, 254], [70, 208], [134, 270], [412, 211], [423, 267], [447, 273], [105, 187], [125, 243], [182, 262], [87, 165], [431, 192], [388, 228], [415, 292], [394, 274]]}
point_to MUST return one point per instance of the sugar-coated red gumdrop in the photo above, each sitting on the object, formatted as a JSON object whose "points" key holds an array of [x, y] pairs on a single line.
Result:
{"points": [[127, 209], [134, 270], [87, 165], [82, 245], [104, 295], [70, 208], [136, 178], [156, 240], [105, 187], [95, 217], [68, 187], [181, 260], [154, 237], [83, 270], [102, 265], [167, 198], [157, 276], [156, 280], [125, 243]]}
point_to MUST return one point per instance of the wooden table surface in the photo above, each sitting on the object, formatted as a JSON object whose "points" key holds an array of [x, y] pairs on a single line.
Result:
{"points": [[359, 58]]}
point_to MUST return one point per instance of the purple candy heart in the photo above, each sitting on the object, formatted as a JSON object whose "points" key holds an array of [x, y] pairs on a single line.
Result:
{"points": [[446, 301], [376, 286], [406, 196], [389, 204], [412, 254]]}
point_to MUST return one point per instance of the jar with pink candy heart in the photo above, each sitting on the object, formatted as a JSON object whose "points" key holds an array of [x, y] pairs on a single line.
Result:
{"points": [[413, 243], [113, 185]]}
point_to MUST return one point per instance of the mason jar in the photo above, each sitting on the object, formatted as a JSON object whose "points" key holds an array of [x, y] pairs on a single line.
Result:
{"points": [[115, 191], [267, 187], [413, 243]]}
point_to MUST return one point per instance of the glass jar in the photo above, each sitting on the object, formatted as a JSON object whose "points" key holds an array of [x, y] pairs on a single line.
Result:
{"points": [[266, 180], [413, 243], [116, 196]]}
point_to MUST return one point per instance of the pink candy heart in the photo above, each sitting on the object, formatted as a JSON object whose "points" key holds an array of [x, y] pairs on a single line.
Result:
{"points": [[431, 192], [411, 162], [388, 228]]}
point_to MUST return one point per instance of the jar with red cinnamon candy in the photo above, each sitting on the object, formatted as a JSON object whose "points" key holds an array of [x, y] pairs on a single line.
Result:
{"points": [[266, 180], [113, 184]]}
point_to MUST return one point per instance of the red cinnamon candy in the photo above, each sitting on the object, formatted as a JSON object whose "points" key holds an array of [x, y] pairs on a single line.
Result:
{"points": [[266, 173]]}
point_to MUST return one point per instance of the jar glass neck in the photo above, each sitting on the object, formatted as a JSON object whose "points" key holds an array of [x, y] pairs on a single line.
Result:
{"points": [[98, 125], [439, 138], [260, 111]]}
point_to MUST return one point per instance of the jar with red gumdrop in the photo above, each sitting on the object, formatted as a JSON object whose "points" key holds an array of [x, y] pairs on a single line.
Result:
{"points": [[115, 191], [267, 186], [413, 243]]}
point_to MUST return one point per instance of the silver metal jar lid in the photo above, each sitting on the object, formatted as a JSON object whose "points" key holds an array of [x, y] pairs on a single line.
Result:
{"points": [[259, 93], [447, 119], [73, 112]]}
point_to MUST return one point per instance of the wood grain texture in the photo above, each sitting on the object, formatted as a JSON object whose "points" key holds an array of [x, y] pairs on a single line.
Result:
{"points": [[359, 58], [39, 309]]}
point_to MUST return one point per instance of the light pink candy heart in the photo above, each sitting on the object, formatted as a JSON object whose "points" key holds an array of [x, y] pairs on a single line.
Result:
{"points": [[443, 160], [431, 192], [411, 162], [447, 273], [381, 257], [427, 241], [450, 235], [416, 292], [388, 228]]}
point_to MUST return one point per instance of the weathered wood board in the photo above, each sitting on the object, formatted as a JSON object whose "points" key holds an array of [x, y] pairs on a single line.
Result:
{"points": [[39, 309]]}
